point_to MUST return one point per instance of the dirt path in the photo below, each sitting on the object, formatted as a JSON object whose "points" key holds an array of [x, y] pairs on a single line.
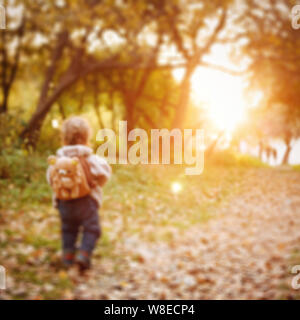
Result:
{"points": [[245, 253]]}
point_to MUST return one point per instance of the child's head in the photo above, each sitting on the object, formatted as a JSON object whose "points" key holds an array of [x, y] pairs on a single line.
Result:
{"points": [[75, 130]]}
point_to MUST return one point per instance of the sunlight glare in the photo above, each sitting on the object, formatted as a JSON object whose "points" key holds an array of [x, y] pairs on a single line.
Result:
{"points": [[55, 123], [176, 187], [223, 95], [220, 92], [178, 74]]}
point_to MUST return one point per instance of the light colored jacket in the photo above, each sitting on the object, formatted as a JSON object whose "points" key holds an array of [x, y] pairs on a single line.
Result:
{"points": [[98, 166]]}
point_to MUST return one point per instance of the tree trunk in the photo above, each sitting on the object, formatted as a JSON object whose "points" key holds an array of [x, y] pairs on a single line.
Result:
{"points": [[61, 110], [194, 61], [31, 132], [260, 151], [130, 119], [181, 108], [4, 105], [285, 159], [9, 70], [112, 108], [4, 72], [98, 115], [97, 112]]}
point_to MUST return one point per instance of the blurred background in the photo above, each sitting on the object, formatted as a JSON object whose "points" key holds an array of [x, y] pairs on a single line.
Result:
{"points": [[230, 67]]}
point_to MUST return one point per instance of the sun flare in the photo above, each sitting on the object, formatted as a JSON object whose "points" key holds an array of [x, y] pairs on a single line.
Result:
{"points": [[221, 93], [176, 187], [223, 96]]}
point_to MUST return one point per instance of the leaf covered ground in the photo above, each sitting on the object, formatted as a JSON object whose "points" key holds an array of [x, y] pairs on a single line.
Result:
{"points": [[231, 233]]}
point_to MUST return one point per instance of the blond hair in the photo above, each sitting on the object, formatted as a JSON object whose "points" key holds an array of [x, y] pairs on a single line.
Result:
{"points": [[75, 130]]}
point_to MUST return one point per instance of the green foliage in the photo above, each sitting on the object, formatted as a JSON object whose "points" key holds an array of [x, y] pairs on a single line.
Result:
{"points": [[275, 69], [50, 138], [10, 127], [22, 178], [228, 158]]}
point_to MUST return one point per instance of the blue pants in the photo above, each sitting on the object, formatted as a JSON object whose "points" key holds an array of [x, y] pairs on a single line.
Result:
{"points": [[79, 214]]}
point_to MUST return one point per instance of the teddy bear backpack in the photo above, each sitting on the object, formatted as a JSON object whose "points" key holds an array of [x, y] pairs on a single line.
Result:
{"points": [[70, 177]]}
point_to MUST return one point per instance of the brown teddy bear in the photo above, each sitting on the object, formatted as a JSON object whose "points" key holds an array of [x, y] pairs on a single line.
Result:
{"points": [[67, 178]]}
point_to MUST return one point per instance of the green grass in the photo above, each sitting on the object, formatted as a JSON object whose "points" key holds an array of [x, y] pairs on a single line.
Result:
{"points": [[135, 197], [296, 167]]}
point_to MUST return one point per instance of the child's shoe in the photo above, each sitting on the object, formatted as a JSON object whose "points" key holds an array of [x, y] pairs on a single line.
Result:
{"points": [[83, 260], [68, 258]]}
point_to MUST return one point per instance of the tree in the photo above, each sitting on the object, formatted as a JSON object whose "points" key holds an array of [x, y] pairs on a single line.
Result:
{"points": [[69, 57], [11, 46], [193, 40], [273, 47]]}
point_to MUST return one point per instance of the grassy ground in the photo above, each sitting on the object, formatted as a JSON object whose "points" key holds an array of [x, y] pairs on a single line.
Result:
{"points": [[138, 204]]}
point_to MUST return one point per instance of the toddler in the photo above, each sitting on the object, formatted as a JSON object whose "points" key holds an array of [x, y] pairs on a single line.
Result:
{"points": [[76, 176]]}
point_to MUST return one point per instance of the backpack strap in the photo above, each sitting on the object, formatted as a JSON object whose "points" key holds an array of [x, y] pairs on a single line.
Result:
{"points": [[87, 171]]}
